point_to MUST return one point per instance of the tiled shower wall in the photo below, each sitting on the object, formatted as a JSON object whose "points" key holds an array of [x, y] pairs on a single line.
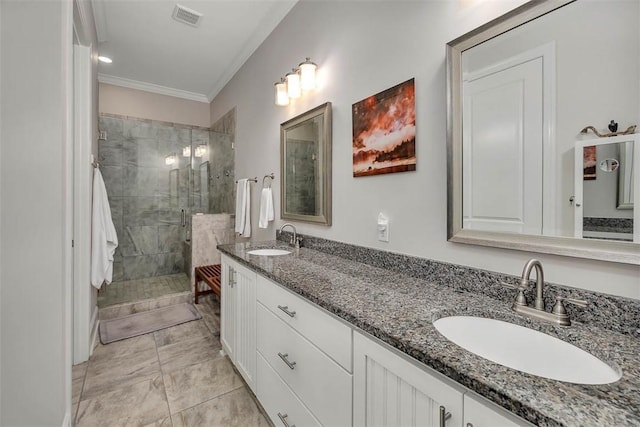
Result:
{"points": [[146, 195], [213, 174]]}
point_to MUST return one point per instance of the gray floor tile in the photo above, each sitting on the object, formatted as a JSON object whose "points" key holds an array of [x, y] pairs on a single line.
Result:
{"points": [[139, 404], [109, 374], [78, 373], [189, 386], [234, 409], [185, 331], [188, 352], [108, 352], [165, 422]]}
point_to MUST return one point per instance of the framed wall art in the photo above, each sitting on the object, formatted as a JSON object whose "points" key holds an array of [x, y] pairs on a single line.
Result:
{"points": [[384, 132]]}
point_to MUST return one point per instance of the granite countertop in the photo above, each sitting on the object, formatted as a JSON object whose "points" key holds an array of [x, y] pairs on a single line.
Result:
{"points": [[400, 310]]}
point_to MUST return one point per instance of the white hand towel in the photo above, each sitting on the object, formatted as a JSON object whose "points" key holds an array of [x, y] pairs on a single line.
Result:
{"points": [[243, 208], [240, 200], [266, 208], [104, 239]]}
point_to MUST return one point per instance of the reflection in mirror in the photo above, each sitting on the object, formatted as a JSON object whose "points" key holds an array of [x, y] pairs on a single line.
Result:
{"points": [[306, 166], [609, 165], [597, 210], [626, 176], [520, 89]]}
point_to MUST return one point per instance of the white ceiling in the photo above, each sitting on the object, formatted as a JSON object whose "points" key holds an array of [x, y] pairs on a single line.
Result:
{"points": [[153, 52]]}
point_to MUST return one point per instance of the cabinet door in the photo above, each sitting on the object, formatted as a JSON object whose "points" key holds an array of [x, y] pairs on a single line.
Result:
{"points": [[245, 329], [479, 412], [228, 308], [390, 390]]}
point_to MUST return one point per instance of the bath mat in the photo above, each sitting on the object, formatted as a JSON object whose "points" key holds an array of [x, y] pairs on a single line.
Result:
{"points": [[145, 322]]}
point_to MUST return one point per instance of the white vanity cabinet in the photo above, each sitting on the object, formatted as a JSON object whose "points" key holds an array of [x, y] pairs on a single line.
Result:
{"points": [[309, 368], [238, 318], [479, 412], [390, 390], [303, 352]]}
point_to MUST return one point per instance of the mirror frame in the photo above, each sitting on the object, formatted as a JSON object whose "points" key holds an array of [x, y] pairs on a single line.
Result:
{"points": [[621, 252], [324, 218]]}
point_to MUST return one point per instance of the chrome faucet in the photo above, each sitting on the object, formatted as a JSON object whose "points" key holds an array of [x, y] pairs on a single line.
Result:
{"points": [[295, 240], [558, 314], [524, 281]]}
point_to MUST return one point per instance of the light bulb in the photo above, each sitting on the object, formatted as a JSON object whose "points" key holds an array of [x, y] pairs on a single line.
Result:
{"points": [[293, 84], [281, 93], [308, 75]]}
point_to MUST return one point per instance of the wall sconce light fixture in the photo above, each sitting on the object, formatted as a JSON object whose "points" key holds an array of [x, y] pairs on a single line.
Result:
{"points": [[293, 83], [201, 150], [186, 151], [170, 159]]}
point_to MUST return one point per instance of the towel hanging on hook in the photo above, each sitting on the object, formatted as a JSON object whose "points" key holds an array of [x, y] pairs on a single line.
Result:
{"points": [[271, 177]]}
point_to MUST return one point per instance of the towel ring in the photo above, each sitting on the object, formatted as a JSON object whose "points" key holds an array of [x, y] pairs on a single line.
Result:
{"points": [[271, 176]]}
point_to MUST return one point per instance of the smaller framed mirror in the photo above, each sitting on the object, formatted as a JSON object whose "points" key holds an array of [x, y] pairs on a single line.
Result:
{"points": [[305, 166]]}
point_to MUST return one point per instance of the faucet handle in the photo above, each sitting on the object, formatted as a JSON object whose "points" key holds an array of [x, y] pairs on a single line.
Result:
{"points": [[559, 308], [520, 299]]}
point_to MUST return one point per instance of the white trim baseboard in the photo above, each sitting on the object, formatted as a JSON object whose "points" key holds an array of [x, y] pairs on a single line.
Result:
{"points": [[152, 88]]}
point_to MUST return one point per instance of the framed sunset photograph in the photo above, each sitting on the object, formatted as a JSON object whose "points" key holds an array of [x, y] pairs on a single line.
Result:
{"points": [[384, 132]]}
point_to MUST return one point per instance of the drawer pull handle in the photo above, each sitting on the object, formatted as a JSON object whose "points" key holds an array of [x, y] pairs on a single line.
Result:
{"points": [[291, 365], [283, 418], [285, 308], [444, 416]]}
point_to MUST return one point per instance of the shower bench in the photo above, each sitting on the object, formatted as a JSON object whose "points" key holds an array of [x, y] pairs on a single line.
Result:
{"points": [[209, 274]]}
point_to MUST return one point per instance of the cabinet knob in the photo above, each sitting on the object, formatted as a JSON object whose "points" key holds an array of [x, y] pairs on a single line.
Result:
{"points": [[283, 418]]}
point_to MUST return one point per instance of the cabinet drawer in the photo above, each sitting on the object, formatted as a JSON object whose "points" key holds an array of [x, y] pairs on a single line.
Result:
{"points": [[480, 412], [323, 386], [276, 398], [326, 332]]}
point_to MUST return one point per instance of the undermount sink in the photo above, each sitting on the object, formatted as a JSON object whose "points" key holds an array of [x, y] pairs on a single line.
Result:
{"points": [[526, 350], [269, 252]]}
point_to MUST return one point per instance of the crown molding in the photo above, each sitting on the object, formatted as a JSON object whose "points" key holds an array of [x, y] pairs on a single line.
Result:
{"points": [[153, 88]]}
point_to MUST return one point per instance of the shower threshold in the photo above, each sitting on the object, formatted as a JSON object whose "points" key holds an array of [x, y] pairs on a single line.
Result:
{"points": [[130, 291]]}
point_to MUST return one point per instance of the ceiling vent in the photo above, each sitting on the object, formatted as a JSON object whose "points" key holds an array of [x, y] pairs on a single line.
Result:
{"points": [[186, 15]]}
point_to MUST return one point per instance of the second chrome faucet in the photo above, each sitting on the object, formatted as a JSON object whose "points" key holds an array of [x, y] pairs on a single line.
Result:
{"points": [[558, 314], [295, 240]]}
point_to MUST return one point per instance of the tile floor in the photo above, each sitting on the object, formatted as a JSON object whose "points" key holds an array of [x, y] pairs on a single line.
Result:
{"points": [[142, 289], [172, 377]]}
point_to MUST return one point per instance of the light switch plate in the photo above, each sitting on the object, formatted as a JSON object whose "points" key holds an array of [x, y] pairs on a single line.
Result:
{"points": [[383, 232]]}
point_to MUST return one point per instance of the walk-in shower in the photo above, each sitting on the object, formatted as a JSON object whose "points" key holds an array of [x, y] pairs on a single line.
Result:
{"points": [[157, 175]]}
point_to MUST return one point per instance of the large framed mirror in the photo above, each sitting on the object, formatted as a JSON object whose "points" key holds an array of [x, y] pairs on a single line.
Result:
{"points": [[305, 165], [519, 91]]}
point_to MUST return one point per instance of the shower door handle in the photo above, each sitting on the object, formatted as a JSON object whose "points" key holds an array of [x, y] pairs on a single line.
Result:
{"points": [[183, 219]]}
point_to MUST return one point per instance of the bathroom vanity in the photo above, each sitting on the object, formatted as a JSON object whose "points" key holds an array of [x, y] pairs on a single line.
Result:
{"points": [[324, 340]]}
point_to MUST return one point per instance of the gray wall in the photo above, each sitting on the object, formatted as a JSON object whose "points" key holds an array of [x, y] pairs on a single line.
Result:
{"points": [[35, 234], [362, 48], [145, 199]]}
